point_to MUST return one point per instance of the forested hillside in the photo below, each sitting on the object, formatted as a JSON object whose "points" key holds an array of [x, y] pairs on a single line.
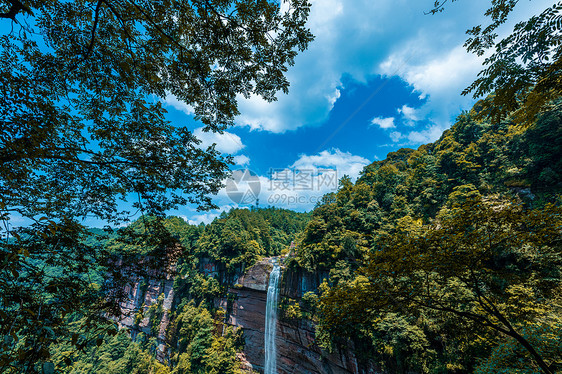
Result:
{"points": [[198, 338], [448, 258], [442, 259]]}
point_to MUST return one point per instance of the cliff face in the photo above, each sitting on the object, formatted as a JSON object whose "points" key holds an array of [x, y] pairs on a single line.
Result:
{"points": [[295, 283], [296, 347], [247, 310], [298, 353], [158, 294]]}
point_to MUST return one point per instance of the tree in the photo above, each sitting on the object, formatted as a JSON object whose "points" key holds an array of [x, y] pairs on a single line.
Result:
{"points": [[493, 263], [524, 70], [202, 342], [82, 127]]}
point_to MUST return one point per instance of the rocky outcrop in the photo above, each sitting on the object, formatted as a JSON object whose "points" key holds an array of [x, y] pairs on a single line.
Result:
{"points": [[257, 277], [296, 346], [245, 305], [136, 317]]}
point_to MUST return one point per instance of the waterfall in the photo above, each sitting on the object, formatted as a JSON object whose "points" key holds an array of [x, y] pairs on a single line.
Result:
{"points": [[271, 320]]}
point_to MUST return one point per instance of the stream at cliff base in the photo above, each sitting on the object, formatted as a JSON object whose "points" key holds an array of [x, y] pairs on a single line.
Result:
{"points": [[271, 320]]}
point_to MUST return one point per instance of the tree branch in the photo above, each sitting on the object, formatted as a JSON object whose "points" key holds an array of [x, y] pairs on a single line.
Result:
{"points": [[16, 7], [157, 27], [94, 27]]}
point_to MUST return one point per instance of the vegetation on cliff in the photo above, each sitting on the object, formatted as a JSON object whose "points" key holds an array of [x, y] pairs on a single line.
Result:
{"points": [[197, 338]]}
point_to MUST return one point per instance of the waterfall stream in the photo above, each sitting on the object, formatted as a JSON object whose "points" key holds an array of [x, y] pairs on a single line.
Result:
{"points": [[271, 320]]}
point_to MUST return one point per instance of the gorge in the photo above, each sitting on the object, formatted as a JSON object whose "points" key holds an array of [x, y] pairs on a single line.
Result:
{"points": [[272, 345]]}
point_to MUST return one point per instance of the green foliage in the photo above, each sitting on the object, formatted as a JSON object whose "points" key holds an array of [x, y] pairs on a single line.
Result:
{"points": [[414, 215], [154, 313], [240, 237], [493, 263], [290, 310], [113, 355], [336, 228], [83, 128], [200, 346], [509, 356]]}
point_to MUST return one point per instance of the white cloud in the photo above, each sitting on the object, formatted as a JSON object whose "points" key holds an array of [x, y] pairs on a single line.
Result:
{"points": [[290, 189], [205, 218], [352, 37], [410, 115], [179, 105], [344, 162], [430, 134], [439, 79], [446, 72], [395, 136], [320, 175], [334, 97], [383, 123], [226, 142], [363, 38], [241, 160], [208, 217]]}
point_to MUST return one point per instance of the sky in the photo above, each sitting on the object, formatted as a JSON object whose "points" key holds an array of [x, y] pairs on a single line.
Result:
{"points": [[379, 76]]}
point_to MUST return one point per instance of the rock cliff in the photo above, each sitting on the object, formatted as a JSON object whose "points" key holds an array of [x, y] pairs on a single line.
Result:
{"points": [[296, 346], [245, 306], [137, 316]]}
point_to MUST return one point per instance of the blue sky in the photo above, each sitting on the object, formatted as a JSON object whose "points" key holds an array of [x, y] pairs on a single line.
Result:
{"points": [[380, 75]]}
